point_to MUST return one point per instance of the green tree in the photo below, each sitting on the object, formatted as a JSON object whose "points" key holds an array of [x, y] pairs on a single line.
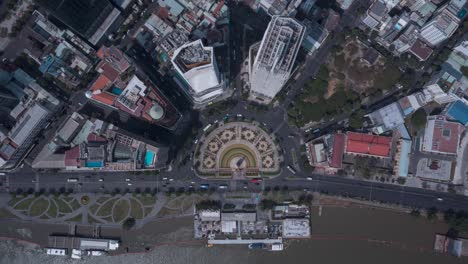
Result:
{"points": [[128, 223], [464, 70], [432, 213], [267, 204], [419, 119], [356, 119]]}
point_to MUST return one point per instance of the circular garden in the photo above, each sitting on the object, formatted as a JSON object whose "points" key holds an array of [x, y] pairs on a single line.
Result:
{"points": [[237, 149]]}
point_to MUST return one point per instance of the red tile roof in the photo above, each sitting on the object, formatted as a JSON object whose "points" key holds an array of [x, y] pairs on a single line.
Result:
{"points": [[72, 156], [421, 50], [368, 144], [101, 82], [220, 5], [109, 71], [445, 142], [96, 138], [105, 98], [338, 150]]}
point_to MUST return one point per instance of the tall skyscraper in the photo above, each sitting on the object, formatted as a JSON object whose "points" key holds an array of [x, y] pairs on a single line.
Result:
{"points": [[89, 18], [274, 61], [197, 73]]}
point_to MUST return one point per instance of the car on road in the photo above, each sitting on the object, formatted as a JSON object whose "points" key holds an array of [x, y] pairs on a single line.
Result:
{"points": [[239, 115], [256, 180], [164, 178], [127, 179], [309, 178], [129, 184], [204, 186], [223, 186], [439, 199], [72, 180], [171, 180], [101, 179]]}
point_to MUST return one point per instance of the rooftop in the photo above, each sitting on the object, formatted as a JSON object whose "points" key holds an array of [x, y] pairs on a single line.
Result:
{"points": [[365, 144], [458, 111], [441, 136]]}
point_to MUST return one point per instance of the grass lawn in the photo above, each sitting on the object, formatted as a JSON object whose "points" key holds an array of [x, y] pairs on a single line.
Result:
{"points": [[63, 207], [77, 218], [93, 220], [147, 200], [38, 207], [75, 205], [102, 199], [121, 210], [24, 204], [4, 213], [52, 212], [148, 211], [136, 210], [93, 208], [106, 208], [14, 201], [167, 212]]}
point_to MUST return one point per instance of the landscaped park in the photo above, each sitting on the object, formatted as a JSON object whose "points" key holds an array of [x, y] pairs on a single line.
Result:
{"points": [[237, 150]]}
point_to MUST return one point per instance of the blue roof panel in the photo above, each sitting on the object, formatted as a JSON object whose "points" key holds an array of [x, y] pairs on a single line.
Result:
{"points": [[459, 112]]}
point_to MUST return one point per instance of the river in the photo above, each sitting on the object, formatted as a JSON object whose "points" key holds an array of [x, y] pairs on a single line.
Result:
{"points": [[340, 235]]}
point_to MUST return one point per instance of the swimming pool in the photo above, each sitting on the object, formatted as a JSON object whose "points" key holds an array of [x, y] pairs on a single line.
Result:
{"points": [[94, 164], [116, 90], [149, 158]]}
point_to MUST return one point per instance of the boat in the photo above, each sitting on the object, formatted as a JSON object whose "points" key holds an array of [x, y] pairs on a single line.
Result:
{"points": [[257, 246]]}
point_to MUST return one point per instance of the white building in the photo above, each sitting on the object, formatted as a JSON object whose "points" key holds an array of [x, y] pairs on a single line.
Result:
{"points": [[273, 63], [440, 28], [197, 73]]}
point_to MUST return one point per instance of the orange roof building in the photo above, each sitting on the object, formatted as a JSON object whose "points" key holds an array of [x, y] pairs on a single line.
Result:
{"points": [[371, 145]]}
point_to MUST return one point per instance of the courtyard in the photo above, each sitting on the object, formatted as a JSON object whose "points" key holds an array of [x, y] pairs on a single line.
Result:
{"points": [[237, 150]]}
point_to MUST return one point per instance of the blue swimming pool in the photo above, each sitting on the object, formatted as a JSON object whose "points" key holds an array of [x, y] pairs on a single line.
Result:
{"points": [[116, 90], [149, 157], [94, 164]]}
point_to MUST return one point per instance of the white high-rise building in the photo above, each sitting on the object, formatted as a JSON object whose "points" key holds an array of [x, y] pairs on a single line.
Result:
{"points": [[274, 61], [197, 73], [440, 28]]}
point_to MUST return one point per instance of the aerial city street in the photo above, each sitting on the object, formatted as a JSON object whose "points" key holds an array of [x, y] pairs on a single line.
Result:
{"points": [[241, 122]]}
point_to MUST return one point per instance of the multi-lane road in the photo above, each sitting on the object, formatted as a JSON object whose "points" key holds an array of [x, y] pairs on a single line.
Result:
{"points": [[110, 182]]}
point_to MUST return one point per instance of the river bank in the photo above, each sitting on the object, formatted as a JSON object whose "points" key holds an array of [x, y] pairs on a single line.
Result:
{"points": [[340, 234]]}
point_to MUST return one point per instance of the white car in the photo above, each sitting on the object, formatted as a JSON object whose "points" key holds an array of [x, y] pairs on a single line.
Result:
{"points": [[309, 178], [171, 180], [101, 179], [129, 184], [439, 199], [127, 180], [164, 179]]}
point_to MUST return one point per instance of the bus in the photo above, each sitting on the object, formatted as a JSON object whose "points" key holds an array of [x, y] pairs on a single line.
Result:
{"points": [[293, 171], [207, 127]]}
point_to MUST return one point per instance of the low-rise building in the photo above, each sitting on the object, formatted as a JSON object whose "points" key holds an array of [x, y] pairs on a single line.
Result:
{"points": [[368, 145], [386, 118], [441, 136], [457, 247], [440, 27], [91, 144], [326, 151], [296, 228]]}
